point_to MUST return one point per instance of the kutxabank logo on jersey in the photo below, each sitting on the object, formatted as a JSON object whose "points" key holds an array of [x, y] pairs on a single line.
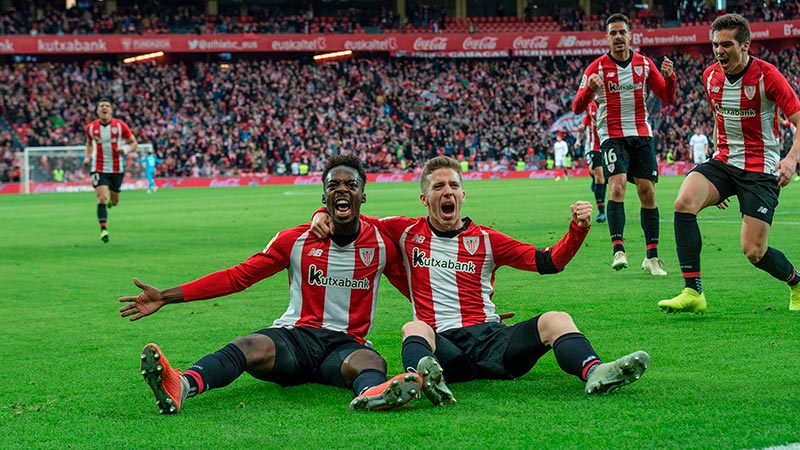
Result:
{"points": [[733, 112], [317, 277], [421, 259], [614, 87]]}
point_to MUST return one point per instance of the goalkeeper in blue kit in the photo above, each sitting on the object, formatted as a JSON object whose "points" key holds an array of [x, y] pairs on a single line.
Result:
{"points": [[150, 162]]}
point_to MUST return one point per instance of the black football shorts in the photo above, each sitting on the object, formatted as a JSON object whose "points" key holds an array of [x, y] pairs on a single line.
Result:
{"points": [[309, 355], [757, 192], [489, 350], [633, 156], [112, 180]]}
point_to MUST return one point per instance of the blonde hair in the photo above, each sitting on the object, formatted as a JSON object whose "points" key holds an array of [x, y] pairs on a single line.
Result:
{"points": [[439, 162]]}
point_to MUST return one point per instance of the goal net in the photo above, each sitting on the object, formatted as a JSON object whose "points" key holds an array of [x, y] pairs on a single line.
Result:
{"points": [[60, 169]]}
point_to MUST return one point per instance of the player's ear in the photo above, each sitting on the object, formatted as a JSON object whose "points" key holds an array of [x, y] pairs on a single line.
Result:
{"points": [[424, 200], [363, 197]]}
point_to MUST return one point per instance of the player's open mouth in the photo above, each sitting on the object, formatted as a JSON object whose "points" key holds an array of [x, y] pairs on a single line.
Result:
{"points": [[342, 206], [448, 208]]}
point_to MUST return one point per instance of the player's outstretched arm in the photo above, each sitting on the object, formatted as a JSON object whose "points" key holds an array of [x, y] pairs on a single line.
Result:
{"points": [[150, 300]]}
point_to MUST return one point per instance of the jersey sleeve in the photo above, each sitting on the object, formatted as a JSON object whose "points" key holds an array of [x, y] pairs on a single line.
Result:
{"points": [[508, 251], [708, 73], [395, 270], [394, 226], [585, 94], [273, 259], [663, 88], [126, 131], [779, 90], [587, 120]]}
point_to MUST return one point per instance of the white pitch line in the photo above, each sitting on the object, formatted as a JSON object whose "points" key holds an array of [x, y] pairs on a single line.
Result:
{"points": [[795, 446]]}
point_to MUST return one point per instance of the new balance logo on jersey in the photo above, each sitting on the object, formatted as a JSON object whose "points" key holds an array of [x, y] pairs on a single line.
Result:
{"points": [[762, 209], [610, 75], [418, 239], [315, 252], [715, 89], [318, 278], [420, 259]]}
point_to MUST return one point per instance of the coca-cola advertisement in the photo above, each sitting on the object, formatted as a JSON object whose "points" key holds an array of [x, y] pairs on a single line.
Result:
{"points": [[414, 44]]}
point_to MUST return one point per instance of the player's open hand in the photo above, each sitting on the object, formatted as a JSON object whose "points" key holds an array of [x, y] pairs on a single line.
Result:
{"points": [[667, 67], [785, 170], [505, 316], [144, 304], [582, 213], [321, 225]]}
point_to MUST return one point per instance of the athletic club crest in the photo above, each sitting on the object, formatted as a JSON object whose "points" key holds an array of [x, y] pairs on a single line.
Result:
{"points": [[611, 168], [471, 244], [638, 70], [366, 255], [749, 92]]}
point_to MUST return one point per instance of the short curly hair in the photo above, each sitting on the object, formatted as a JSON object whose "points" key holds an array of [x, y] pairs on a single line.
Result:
{"points": [[349, 160]]}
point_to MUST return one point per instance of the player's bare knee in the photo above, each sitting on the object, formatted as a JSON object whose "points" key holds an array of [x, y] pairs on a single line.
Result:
{"points": [[647, 197], [257, 348], [753, 252], [682, 204], [363, 359], [616, 192], [418, 328], [553, 324]]}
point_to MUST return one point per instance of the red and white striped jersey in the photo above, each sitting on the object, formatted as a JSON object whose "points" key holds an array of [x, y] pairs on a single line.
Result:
{"points": [[746, 116], [451, 276], [621, 98], [330, 287], [592, 143], [105, 141]]}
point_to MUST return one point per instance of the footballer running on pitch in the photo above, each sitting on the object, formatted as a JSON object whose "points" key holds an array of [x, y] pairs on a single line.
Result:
{"points": [[618, 82]]}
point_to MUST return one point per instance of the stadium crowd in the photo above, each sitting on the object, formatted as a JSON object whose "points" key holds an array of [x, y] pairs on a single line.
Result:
{"points": [[278, 116], [153, 17]]}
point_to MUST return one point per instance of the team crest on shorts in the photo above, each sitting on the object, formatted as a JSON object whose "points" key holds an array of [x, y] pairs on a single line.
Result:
{"points": [[471, 244], [749, 92], [611, 168], [366, 255]]}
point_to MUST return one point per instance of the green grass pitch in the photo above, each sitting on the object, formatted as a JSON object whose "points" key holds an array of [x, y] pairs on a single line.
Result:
{"points": [[70, 378]]}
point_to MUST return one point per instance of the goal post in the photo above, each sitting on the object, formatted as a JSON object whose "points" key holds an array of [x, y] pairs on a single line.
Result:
{"points": [[62, 164]]}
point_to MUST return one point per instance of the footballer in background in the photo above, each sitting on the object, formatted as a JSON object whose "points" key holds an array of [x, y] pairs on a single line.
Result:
{"points": [[105, 154]]}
